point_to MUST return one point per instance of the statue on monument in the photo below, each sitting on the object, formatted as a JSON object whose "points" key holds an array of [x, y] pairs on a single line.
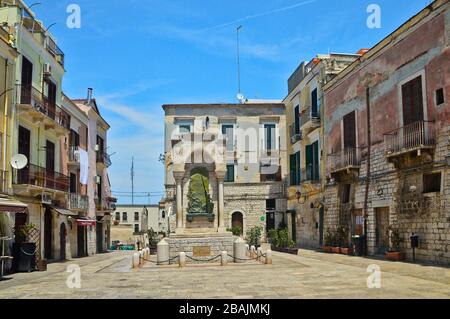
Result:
{"points": [[198, 195]]}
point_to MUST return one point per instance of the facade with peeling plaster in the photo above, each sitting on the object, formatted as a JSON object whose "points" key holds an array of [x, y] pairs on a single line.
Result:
{"points": [[387, 140], [306, 165]]}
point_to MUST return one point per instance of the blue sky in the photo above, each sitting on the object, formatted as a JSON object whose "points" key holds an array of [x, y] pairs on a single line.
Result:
{"points": [[140, 54]]}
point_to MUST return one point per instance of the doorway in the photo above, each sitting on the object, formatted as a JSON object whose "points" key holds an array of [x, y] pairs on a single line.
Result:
{"points": [[50, 164], [24, 149], [62, 241], [321, 221], [237, 220], [381, 229], [48, 237], [81, 241], [99, 230]]}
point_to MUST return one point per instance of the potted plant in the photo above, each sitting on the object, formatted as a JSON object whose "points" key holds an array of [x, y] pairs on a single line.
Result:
{"points": [[254, 236], [328, 240], [236, 231], [395, 240], [344, 244], [279, 240], [24, 251]]}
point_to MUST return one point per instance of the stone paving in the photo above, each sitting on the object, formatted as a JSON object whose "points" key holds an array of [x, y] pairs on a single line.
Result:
{"points": [[310, 275]]}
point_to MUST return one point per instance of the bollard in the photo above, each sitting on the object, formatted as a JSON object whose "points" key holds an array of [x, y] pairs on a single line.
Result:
{"points": [[182, 259], [247, 250], [163, 252], [259, 253], [239, 251], [253, 252], [135, 260], [269, 257], [141, 255], [224, 259]]}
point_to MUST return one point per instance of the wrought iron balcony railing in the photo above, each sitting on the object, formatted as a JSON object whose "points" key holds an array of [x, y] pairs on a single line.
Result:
{"points": [[78, 202], [40, 176], [55, 51], [295, 135], [310, 116], [347, 158], [104, 158], [29, 95], [410, 137]]}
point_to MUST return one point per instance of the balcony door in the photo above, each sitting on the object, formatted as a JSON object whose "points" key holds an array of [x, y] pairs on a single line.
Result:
{"points": [[412, 101], [50, 164], [349, 154], [26, 79], [50, 98], [228, 133], [24, 149], [270, 137]]}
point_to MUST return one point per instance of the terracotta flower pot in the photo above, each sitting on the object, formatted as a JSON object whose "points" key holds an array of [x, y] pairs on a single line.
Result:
{"points": [[347, 251], [395, 255], [327, 249], [336, 250]]}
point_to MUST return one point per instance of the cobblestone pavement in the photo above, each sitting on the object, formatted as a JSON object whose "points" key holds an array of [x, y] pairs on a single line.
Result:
{"points": [[310, 275]]}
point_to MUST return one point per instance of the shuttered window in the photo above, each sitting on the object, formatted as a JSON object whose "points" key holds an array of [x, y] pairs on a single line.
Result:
{"points": [[314, 104], [229, 176], [350, 130], [297, 119], [312, 162], [412, 100]]}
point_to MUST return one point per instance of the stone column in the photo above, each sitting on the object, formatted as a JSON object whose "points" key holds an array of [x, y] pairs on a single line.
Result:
{"points": [[220, 174], [179, 194]]}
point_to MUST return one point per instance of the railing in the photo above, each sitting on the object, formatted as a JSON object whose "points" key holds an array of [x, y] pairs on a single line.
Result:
{"points": [[29, 95], [74, 156], [349, 157], [55, 51], [309, 115], [295, 136], [409, 137], [104, 158], [40, 176], [78, 202]]}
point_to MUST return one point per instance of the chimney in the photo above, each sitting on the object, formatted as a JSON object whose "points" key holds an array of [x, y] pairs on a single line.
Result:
{"points": [[89, 96]]}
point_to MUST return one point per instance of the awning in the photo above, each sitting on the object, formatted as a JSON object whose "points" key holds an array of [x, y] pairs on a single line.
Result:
{"points": [[85, 222], [64, 212], [10, 205]]}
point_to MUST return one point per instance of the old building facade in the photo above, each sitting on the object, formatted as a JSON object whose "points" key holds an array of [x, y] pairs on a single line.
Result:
{"points": [[387, 140], [248, 173], [306, 166]]}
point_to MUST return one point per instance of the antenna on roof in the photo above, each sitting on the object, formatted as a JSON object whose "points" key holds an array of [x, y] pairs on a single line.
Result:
{"points": [[239, 96]]}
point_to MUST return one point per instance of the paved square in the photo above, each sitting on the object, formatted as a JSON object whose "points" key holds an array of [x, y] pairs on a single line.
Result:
{"points": [[310, 275]]}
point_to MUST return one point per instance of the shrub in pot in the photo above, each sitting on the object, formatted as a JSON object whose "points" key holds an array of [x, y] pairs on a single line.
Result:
{"points": [[395, 240], [343, 241], [253, 237], [279, 240], [328, 242]]}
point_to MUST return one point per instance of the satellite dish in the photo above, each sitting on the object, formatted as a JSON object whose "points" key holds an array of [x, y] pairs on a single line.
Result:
{"points": [[19, 161], [241, 97]]}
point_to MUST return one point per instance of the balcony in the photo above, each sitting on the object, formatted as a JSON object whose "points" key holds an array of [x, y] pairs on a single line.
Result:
{"points": [[344, 162], [410, 140], [55, 51], [40, 109], [308, 176], [103, 158], [78, 202], [105, 205], [74, 156], [38, 177], [309, 119], [295, 136]]}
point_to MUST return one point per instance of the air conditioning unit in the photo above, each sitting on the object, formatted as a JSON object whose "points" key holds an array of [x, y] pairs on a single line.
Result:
{"points": [[47, 69], [98, 179], [46, 199]]}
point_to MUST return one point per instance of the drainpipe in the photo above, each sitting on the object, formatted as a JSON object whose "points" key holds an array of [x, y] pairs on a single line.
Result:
{"points": [[369, 146], [5, 128]]}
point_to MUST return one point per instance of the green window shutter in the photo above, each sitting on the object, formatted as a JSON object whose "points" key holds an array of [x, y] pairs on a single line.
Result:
{"points": [[309, 162], [316, 169], [229, 177], [292, 167], [298, 168]]}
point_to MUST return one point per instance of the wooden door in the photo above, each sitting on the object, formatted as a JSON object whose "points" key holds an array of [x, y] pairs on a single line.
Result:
{"points": [[412, 100], [48, 236], [382, 225], [50, 164]]}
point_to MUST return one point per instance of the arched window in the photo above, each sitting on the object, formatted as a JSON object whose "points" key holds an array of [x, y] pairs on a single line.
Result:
{"points": [[163, 214], [207, 123]]}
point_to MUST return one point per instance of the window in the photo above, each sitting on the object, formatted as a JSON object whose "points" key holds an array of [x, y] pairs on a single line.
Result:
{"points": [[117, 216], [229, 177], [26, 84], [345, 193], [73, 183], [412, 100], [124, 216], [440, 96], [228, 133], [136, 216], [270, 136], [350, 131], [432, 183], [163, 214], [297, 119], [184, 128], [136, 228], [312, 162], [270, 204], [74, 138], [295, 169], [314, 104]]}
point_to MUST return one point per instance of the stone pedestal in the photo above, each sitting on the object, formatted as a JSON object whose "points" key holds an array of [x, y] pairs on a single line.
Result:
{"points": [[200, 245]]}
